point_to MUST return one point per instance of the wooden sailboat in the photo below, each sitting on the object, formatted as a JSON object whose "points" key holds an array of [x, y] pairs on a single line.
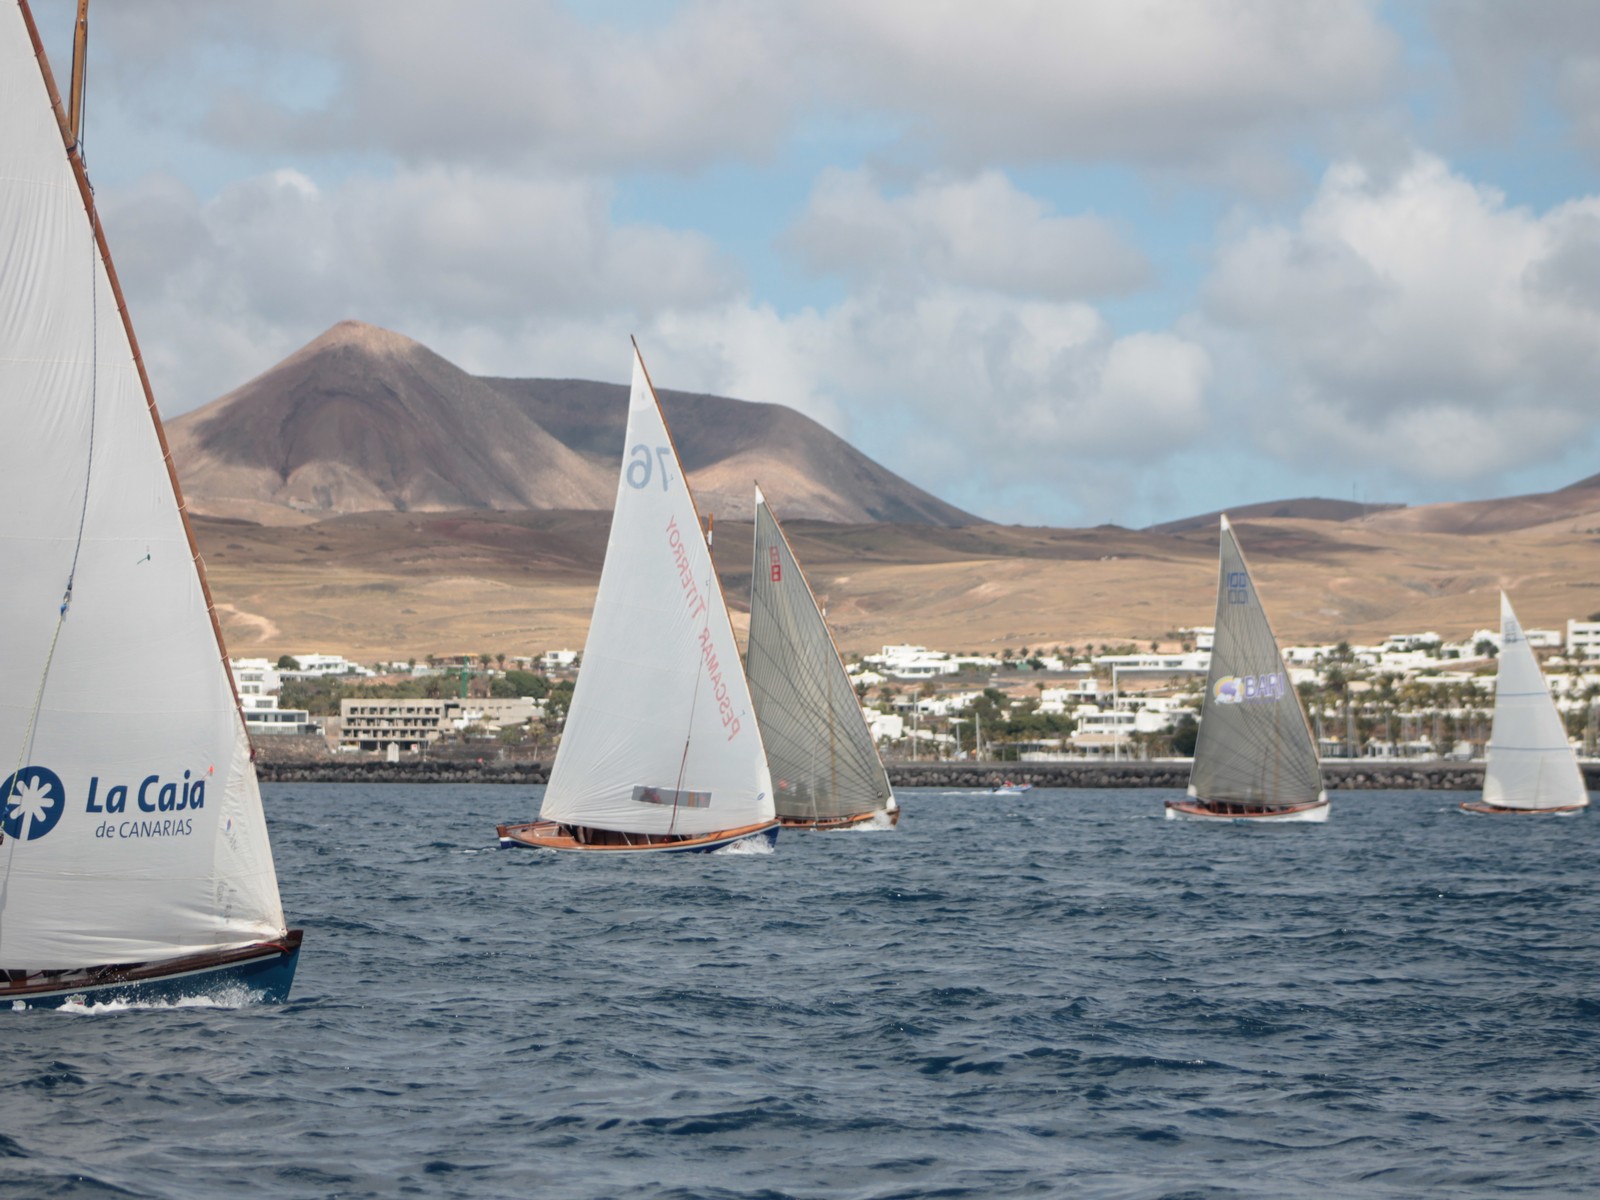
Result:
{"points": [[1531, 767], [134, 858], [661, 751], [1255, 760], [826, 772]]}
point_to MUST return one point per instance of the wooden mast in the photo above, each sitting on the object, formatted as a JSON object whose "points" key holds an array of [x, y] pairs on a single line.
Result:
{"points": [[80, 67]]}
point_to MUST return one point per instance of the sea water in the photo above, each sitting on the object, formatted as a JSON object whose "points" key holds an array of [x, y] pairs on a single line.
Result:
{"points": [[1050, 994]]}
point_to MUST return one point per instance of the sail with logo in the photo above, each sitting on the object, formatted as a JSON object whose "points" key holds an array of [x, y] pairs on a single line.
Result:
{"points": [[661, 750], [1255, 759], [134, 860], [825, 769], [1532, 767]]}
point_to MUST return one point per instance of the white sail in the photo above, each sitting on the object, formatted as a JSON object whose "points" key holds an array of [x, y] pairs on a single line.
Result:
{"points": [[661, 736], [1531, 764], [132, 820], [1254, 747], [824, 764]]}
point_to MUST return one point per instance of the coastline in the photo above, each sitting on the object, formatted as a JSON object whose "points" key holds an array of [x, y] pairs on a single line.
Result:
{"points": [[1373, 775]]}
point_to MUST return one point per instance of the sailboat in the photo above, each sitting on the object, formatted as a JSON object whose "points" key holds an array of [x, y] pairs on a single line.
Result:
{"points": [[1255, 760], [826, 772], [1531, 767], [134, 858], [661, 751]]}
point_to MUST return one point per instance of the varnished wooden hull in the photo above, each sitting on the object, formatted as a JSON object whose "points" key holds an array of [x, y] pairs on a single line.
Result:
{"points": [[550, 835], [877, 818], [1190, 809], [265, 970], [1483, 806]]}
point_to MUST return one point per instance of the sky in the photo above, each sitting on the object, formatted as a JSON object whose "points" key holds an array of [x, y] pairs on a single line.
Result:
{"points": [[1064, 262]]}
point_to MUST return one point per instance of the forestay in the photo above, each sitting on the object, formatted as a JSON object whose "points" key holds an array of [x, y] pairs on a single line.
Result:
{"points": [[661, 736], [133, 825], [823, 762], [1254, 745], [1531, 764]]}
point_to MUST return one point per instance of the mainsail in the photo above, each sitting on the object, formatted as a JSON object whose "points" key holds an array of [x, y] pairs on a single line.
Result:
{"points": [[823, 762], [1254, 746], [660, 737], [1531, 764], [132, 819]]}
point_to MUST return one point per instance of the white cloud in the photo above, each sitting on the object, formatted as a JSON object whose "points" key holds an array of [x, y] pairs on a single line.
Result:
{"points": [[1506, 55], [979, 232], [1196, 84], [1174, 82], [1413, 321], [481, 262]]}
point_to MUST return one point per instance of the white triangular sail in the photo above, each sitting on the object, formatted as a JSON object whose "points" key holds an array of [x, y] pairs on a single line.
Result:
{"points": [[824, 764], [1531, 763], [1254, 747], [133, 823], [661, 736]]}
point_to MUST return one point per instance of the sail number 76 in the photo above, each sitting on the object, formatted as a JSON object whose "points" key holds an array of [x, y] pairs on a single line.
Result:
{"points": [[641, 465]]}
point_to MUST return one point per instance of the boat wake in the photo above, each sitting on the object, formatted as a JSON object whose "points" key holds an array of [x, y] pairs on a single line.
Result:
{"points": [[749, 845], [230, 996]]}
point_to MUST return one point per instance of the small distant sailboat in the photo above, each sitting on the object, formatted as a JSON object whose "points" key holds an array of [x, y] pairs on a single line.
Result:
{"points": [[134, 858], [661, 751], [1255, 760], [1531, 767], [826, 771]]}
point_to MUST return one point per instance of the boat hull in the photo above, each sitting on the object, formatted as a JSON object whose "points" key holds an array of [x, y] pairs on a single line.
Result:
{"points": [[551, 835], [1483, 806], [266, 970], [1315, 812], [876, 819]]}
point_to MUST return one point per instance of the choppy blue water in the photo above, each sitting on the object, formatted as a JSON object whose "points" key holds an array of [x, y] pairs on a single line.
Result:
{"points": [[1053, 994]]}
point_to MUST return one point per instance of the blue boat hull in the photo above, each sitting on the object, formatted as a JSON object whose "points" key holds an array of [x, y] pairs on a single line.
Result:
{"points": [[262, 975]]}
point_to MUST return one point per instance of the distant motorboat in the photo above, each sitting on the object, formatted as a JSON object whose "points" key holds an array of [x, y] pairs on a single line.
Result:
{"points": [[826, 772], [1255, 760], [661, 752], [1010, 789], [1531, 766]]}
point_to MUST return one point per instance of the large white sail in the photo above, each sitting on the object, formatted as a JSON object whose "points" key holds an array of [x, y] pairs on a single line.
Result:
{"points": [[132, 820], [824, 764], [1531, 764], [1254, 747], [661, 736]]}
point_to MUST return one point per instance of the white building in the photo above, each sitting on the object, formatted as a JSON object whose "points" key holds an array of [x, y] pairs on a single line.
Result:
{"points": [[1195, 662], [258, 683], [558, 660], [316, 666], [885, 727], [913, 662], [1583, 639]]}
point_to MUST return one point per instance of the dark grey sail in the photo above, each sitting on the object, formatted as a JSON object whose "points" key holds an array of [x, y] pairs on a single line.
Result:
{"points": [[1254, 748], [824, 765]]}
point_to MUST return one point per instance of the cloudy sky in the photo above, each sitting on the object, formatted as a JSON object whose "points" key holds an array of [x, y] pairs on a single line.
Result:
{"points": [[1063, 262]]}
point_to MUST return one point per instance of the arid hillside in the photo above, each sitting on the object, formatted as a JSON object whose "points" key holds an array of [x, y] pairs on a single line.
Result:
{"points": [[365, 420], [400, 584]]}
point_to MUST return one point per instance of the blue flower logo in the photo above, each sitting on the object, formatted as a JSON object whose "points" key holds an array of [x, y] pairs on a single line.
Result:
{"points": [[32, 801]]}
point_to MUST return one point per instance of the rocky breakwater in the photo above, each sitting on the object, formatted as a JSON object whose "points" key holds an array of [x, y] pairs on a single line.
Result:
{"points": [[1360, 775]]}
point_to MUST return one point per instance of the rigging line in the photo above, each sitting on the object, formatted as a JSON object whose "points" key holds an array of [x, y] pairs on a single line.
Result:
{"points": [[25, 748]]}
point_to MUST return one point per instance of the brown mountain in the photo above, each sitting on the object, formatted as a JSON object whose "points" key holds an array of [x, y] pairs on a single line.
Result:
{"points": [[1576, 506], [1306, 509], [728, 444], [365, 420]]}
